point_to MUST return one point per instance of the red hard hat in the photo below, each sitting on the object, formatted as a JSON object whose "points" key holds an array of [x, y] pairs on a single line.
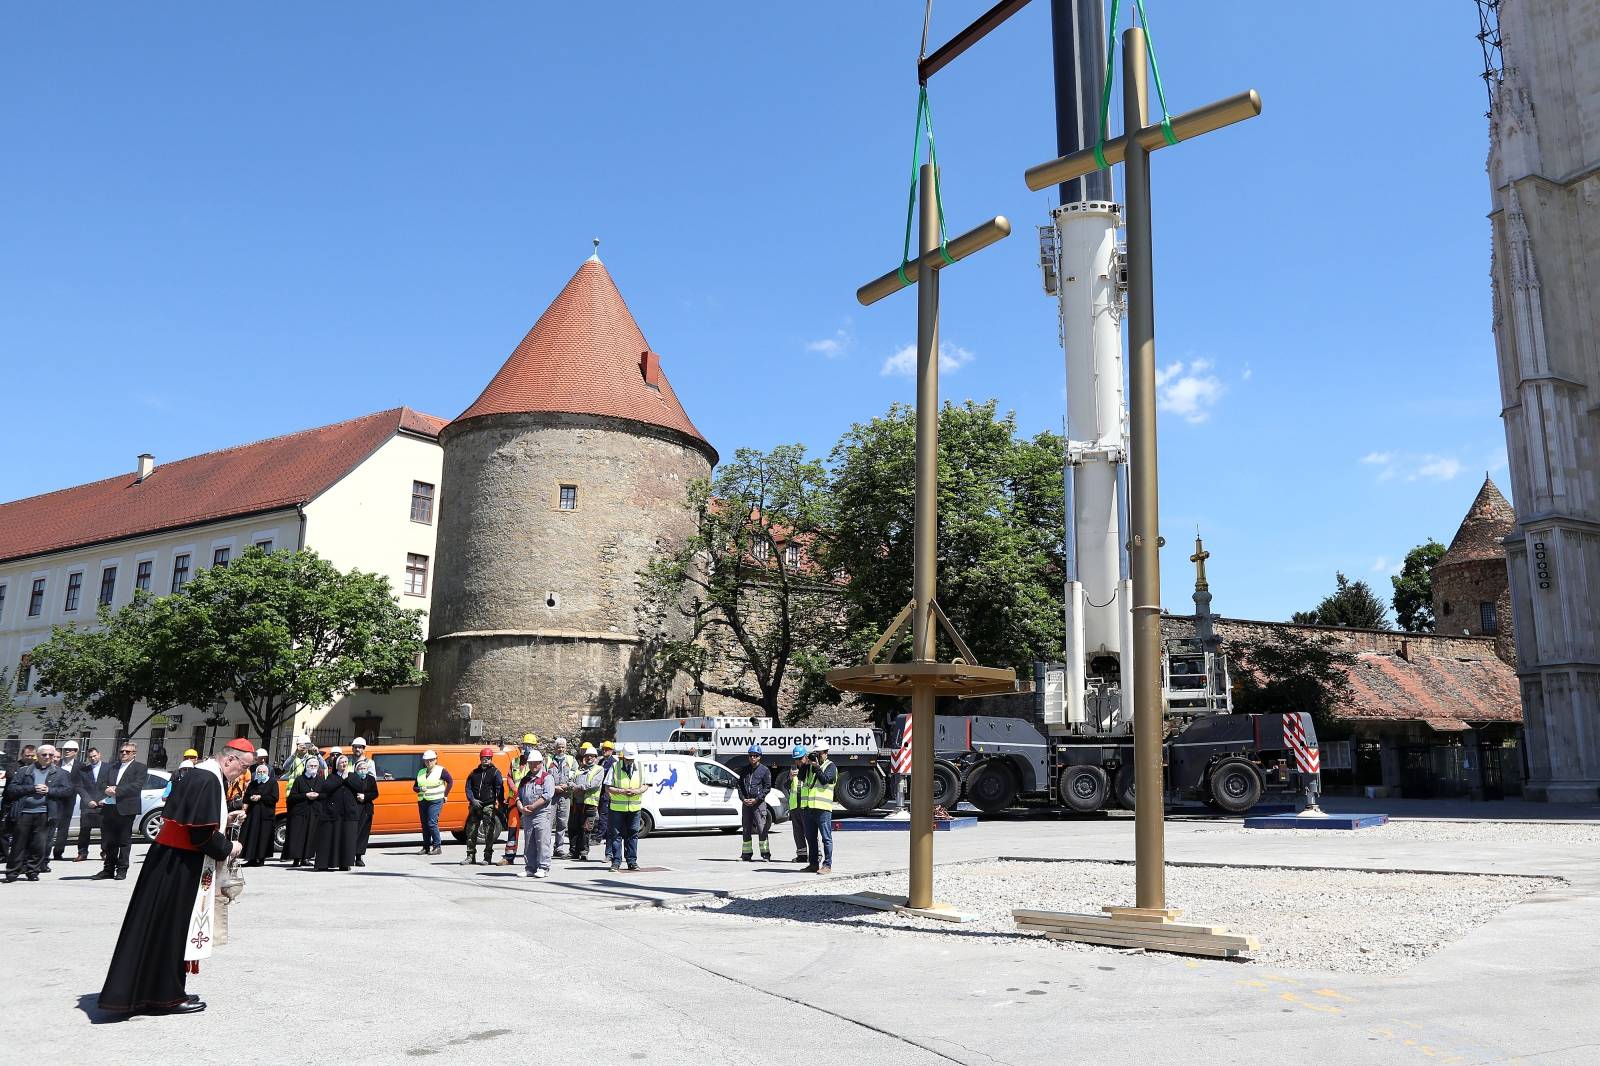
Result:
{"points": [[486, 753]]}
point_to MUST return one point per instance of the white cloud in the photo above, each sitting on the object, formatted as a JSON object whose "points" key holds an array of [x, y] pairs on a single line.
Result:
{"points": [[1413, 466], [1385, 565], [904, 361], [1247, 373], [835, 346], [1188, 389]]}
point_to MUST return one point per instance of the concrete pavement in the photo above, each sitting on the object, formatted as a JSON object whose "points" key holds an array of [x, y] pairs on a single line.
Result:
{"points": [[418, 957]]}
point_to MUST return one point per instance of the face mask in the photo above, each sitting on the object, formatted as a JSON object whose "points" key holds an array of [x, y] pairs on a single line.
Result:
{"points": [[261, 773]]}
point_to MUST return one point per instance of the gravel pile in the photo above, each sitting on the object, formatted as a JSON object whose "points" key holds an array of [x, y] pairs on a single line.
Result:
{"points": [[1559, 833], [1335, 920]]}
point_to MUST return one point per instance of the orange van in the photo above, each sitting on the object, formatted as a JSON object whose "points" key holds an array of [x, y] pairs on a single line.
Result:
{"points": [[396, 766]]}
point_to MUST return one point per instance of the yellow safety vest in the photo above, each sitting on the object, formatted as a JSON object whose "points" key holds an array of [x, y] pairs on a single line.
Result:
{"points": [[816, 795], [794, 789], [590, 777], [621, 778], [430, 788]]}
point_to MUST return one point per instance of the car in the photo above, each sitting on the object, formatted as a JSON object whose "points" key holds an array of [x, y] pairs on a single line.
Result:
{"points": [[151, 801], [688, 792]]}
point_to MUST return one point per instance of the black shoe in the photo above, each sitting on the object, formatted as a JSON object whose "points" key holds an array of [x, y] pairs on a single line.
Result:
{"points": [[747, 858], [84, 857], [103, 875], [191, 998], [192, 1005], [633, 866], [811, 869], [11, 877], [361, 862], [122, 875], [344, 869], [46, 867]]}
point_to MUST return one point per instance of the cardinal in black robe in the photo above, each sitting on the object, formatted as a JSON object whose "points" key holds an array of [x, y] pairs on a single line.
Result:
{"points": [[366, 784], [338, 814], [148, 968], [260, 816], [301, 846]]}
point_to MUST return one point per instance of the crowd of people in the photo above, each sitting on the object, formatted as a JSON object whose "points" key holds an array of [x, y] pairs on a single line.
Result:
{"points": [[541, 808]]}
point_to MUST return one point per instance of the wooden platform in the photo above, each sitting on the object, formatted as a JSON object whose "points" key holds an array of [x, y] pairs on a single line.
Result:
{"points": [[1125, 928], [882, 901]]}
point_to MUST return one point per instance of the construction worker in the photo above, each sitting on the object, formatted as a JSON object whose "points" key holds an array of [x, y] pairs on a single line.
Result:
{"points": [[602, 831], [432, 786], [816, 795], [797, 813], [295, 764], [625, 784], [519, 770], [564, 768], [536, 795], [755, 781], [486, 790], [585, 799]]}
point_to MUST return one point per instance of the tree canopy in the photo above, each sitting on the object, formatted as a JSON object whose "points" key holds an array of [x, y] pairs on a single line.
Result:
{"points": [[281, 630], [1351, 603], [106, 671], [747, 584], [1413, 588], [1290, 671]]}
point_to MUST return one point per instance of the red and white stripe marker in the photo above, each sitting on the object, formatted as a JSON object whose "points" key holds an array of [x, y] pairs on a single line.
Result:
{"points": [[1307, 759]]}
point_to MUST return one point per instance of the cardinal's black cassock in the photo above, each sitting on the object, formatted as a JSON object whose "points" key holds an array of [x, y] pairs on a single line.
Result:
{"points": [[168, 927]]}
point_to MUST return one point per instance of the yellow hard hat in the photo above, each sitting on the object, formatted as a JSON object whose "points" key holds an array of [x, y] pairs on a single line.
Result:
{"points": [[529, 738], [586, 748], [608, 744], [190, 753]]}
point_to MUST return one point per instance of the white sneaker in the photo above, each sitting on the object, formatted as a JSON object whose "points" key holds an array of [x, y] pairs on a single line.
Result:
{"points": [[541, 873], [525, 873]]}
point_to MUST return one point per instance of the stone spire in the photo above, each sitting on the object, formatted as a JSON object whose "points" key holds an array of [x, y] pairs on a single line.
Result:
{"points": [[1203, 628]]}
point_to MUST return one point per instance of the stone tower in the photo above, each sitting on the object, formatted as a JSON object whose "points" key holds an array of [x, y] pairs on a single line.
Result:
{"points": [[1471, 593], [560, 483], [1544, 176]]}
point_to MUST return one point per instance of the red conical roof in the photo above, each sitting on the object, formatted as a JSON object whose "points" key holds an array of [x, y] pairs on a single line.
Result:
{"points": [[584, 356]]}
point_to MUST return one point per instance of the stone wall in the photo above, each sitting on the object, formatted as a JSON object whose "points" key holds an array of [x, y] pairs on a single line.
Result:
{"points": [[1459, 588], [535, 607]]}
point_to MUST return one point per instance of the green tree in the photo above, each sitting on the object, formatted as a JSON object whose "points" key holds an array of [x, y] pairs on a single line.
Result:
{"points": [[9, 710], [1291, 671], [733, 608], [1352, 603], [1413, 588], [106, 671], [283, 630], [1000, 522]]}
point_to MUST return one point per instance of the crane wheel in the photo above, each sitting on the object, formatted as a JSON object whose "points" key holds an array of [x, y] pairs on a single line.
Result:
{"points": [[992, 786], [1235, 785], [1084, 789]]}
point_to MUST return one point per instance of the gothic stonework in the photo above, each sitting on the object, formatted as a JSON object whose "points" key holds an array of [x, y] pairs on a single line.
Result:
{"points": [[1544, 173], [535, 595]]}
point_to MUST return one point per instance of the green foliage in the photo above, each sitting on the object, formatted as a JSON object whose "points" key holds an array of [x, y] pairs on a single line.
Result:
{"points": [[1413, 588], [1352, 604], [732, 586], [1290, 671], [106, 671], [1000, 522], [8, 703], [282, 630]]}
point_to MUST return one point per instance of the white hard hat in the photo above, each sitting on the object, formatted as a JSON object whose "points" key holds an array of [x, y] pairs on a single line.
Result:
{"points": [[359, 742], [629, 751], [261, 753], [301, 738], [430, 754], [71, 745], [821, 745], [536, 755]]}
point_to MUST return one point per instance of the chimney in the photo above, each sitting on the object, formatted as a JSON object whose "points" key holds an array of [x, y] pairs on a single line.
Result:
{"points": [[650, 368], [147, 463], [1405, 650]]}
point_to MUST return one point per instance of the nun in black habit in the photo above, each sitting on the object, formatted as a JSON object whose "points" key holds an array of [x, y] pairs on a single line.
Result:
{"points": [[260, 815], [339, 812], [366, 783], [301, 846]]}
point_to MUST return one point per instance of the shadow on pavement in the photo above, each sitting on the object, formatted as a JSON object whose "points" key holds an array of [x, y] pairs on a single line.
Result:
{"points": [[89, 1003]]}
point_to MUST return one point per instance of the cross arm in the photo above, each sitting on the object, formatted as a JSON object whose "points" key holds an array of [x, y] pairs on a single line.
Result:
{"points": [[976, 239], [1185, 126]]}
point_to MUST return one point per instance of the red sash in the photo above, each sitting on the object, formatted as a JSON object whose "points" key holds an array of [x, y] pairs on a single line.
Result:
{"points": [[176, 834]]}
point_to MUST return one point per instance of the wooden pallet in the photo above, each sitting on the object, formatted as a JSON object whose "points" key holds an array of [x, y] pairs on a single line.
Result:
{"points": [[1139, 932]]}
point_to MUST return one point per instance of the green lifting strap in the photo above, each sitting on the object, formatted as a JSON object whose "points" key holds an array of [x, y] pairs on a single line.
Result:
{"points": [[1155, 72], [924, 119]]}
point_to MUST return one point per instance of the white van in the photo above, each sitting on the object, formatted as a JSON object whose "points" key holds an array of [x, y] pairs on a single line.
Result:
{"points": [[687, 792]]}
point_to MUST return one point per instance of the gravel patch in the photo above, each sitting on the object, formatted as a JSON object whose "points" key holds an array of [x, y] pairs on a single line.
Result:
{"points": [[1421, 831], [1345, 921]]}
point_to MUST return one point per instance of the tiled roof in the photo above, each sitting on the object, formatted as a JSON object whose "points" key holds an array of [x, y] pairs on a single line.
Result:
{"points": [[583, 357], [1434, 689], [1488, 519], [251, 478]]}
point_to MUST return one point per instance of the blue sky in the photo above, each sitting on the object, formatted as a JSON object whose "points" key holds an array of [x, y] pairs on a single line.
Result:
{"points": [[226, 222]]}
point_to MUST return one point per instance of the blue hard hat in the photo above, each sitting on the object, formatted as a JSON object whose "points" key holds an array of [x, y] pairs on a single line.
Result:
{"points": [[755, 749], [799, 752]]}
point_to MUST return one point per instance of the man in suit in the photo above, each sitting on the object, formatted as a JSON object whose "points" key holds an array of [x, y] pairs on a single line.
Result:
{"points": [[33, 790], [61, 809], [91, 790], [118, 810]]}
